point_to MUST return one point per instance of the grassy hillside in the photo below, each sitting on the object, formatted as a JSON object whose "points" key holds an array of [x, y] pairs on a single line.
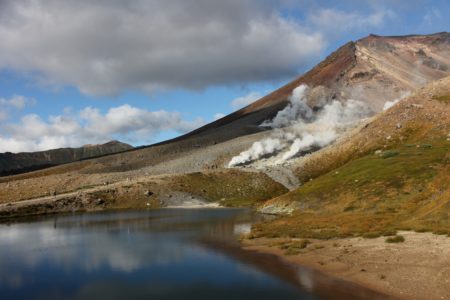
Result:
{"points": [[391, 176]]}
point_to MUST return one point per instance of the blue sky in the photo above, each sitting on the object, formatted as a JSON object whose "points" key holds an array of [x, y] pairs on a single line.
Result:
{"points": [[79, 72]]}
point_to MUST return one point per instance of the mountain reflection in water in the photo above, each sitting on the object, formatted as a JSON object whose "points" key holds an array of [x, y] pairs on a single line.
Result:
{"points": [[157, 254]]}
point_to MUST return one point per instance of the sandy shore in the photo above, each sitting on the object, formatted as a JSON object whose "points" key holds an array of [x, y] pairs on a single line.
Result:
{"points": [[196, 205], [419, 268]]}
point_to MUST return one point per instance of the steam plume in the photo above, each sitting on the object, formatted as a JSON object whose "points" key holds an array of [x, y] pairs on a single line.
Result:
{"points": [[297, 109], [299, 130], [389, 104]]}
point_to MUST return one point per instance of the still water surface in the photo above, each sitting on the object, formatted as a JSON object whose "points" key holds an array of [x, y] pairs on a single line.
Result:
{"points": [[158, 254]]}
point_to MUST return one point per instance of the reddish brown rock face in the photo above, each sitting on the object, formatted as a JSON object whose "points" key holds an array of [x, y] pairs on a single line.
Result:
{"points": [[374, 70]]}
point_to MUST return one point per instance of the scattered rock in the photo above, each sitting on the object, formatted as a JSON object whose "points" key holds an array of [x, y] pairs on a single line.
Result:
{"points": [[148, 193]]}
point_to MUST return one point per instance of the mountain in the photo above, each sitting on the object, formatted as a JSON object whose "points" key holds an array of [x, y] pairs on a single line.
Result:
{"points": [[372, 70], [12, 163], [391, 173], [369, 164]]}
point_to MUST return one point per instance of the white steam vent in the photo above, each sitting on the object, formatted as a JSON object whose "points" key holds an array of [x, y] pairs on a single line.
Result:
{"points": [[297, 129], [389, 104]]}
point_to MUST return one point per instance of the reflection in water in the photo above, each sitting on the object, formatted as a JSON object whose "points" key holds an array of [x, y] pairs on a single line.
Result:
{"points": [[134, 255], [159, 254]]}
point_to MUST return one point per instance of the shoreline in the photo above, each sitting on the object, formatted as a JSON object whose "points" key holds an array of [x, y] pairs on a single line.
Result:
{"points": [[419, 268]]}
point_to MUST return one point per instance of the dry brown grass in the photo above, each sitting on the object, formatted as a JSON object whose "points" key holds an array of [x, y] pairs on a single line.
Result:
{"points": [[358, 193]]}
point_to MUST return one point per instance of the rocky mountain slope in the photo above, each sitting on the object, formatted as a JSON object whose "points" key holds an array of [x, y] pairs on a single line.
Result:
{"points": [[372, 70], [391, 173], [13, 163]]}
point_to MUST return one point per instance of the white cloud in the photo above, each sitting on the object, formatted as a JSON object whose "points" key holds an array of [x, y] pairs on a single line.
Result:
{"points": [[17, 102], [3, 115], [219, 116], [431, 16], [245, 100], [124, 122], [106, 47], [333, 21]]}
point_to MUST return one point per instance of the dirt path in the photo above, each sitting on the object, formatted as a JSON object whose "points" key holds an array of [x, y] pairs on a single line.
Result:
{"points": [[51, 202]]}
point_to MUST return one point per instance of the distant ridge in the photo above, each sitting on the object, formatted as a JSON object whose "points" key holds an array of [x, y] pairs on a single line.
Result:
{"points": [[15, 163]]}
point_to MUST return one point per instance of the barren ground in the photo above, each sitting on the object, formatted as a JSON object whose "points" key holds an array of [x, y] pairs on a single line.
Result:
{"points": [[418, 268]]}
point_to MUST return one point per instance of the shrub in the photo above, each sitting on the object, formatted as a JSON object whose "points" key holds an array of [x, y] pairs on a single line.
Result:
{"points": [[371, 235], [291, 251], [442, 98], [301, 244], [389, 153], [395, 239]]}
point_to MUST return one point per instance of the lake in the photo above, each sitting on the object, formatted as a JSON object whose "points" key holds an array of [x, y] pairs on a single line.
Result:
{"points": [[154, 254]]}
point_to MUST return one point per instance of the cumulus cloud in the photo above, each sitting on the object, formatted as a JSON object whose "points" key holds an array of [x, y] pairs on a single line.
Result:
{"points": [[88, 126], [105, 47], [243, 101], [17, 102]]}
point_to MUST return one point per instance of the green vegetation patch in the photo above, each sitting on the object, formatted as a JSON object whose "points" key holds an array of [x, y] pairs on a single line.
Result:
{"points": [[390, 153], [395, 239], [443, 98], [372, 196], [231, 188], [294, 247]]}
